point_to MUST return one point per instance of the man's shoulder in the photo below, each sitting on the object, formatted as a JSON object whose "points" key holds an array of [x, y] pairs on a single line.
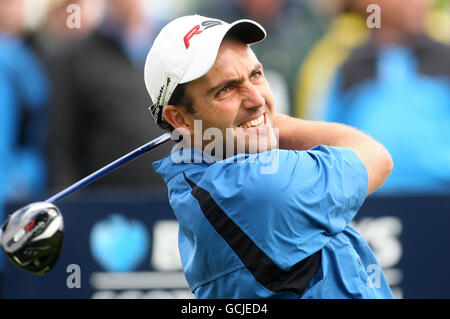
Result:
{"points": [[272, 167], [269, 169]]}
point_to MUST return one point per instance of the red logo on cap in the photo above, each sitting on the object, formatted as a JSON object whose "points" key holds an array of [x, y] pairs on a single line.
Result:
{"points": [[195, 30]]}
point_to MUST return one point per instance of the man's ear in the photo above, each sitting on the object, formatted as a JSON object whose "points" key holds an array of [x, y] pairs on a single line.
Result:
{"points": [[177, 117]]}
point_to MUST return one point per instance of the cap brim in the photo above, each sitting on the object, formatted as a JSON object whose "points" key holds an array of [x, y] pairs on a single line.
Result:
{"points": [[247, 31]]}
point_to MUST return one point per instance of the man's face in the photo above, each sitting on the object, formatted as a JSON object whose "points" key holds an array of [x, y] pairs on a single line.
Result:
{"points": [[234, 96]]}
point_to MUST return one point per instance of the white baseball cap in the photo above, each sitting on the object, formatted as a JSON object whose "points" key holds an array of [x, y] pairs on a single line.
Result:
{"points": [[185, 50]]}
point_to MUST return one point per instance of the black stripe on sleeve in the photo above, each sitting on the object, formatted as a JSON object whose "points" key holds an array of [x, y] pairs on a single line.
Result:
{"points": [[263, 269]]}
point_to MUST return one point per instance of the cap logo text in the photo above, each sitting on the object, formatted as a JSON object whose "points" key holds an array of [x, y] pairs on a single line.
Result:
{"points": [[197, 30]]}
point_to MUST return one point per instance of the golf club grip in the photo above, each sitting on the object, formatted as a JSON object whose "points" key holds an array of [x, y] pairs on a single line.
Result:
{"points": [[111, 167]]}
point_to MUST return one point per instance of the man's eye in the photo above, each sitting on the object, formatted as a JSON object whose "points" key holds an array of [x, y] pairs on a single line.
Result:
{"points": [[256, 75], [224, 90]]}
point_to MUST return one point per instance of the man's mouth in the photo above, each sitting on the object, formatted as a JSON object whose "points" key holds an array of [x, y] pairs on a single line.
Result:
{"points": [[259, 121]]}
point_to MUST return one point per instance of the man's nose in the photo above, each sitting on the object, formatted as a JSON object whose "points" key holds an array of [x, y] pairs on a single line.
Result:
{"points": [[252, 97]]}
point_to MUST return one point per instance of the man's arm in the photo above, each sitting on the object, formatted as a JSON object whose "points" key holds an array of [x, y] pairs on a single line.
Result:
{"points": [[298, 134]]}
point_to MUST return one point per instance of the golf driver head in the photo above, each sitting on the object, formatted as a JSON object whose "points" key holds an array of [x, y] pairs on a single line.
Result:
{"points": [[32, 237]]}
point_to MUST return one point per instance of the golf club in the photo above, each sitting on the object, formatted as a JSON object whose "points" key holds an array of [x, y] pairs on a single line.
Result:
{"points": [[32, 236]]}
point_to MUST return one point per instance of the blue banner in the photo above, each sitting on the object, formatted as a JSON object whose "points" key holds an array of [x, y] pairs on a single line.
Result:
{"points": [[126, 247]]}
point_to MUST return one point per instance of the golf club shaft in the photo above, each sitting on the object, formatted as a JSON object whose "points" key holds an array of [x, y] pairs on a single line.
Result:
{"points": [[110, 167]]}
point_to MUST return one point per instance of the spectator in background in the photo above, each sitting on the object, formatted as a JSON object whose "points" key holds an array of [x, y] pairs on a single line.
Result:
{"points": [[23, 109], [102, 105], [396, 87], [54, 37], [292, 28], [53, 41], [24, 95], [346, 31]]}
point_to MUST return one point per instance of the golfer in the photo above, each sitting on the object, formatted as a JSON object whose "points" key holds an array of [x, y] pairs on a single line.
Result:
{"points": [[263, 200]]}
